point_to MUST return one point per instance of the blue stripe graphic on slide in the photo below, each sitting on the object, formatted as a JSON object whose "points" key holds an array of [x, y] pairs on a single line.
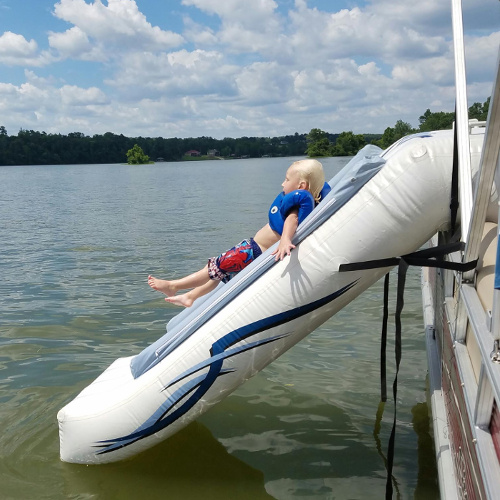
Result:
{"points": [[198, 386]]}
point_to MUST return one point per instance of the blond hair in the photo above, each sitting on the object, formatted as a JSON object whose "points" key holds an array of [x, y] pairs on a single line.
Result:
{"points": [[311, 171]]}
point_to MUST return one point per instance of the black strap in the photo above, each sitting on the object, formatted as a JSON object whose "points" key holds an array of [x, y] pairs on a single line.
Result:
{"points": [[376, 436], [403, 268], [383, 342], [423, 258], [429, 257], [426, 258], [454, 203]]}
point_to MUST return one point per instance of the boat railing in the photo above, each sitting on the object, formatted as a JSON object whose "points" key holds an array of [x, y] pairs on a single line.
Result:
{"points": [[488, 169], [474, 326]]}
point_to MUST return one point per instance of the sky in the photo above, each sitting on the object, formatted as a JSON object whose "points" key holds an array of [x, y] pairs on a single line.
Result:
{"points": [[234, 68]]}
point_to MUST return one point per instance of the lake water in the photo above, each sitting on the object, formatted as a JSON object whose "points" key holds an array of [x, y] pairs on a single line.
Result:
{"points": [[77, 244]]}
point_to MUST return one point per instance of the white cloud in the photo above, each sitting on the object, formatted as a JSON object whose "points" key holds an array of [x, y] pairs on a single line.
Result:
{"points": [[103, 31], [478, 50], [428, 17], [244, 29], [199, 34], [21, 99], [39, 104], [16, 45], [193, 60], [264, 83], [440, 71], [73, 43], [15, 50], [175, 74], [356, 32], [71, 95], [254, 71], [236, 11], [7, 94], [415, 74]]}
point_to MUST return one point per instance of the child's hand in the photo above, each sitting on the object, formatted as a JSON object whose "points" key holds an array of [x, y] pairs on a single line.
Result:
{"points": [[285, 247]]}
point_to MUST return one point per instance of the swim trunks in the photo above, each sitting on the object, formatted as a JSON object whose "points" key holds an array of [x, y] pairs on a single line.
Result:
{"points": [[228, 264]]}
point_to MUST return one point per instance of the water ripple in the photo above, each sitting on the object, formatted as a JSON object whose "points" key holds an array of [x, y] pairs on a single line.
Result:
{"points": [[75, 256]]}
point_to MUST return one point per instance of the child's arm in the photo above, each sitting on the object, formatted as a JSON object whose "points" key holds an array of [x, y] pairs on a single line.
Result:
{"points": [[285, 245]]}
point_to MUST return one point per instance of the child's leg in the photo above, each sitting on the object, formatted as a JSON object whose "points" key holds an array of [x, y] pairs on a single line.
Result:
{"points": [[170, 288], [187, 299]]}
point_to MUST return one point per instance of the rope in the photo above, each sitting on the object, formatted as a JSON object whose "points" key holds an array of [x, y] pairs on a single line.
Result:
{"points": [[422, 258]]}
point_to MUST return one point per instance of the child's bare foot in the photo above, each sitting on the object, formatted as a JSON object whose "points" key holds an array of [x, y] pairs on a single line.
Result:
{"points": [[163, 286], [181, 300]]}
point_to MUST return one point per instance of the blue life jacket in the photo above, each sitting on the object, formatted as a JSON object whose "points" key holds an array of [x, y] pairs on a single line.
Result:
{"points": [[300, 198]]}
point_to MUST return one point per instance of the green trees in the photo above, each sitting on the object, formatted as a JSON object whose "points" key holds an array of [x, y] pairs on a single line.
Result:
{"points": [[318, 143], [435, 121], [39, 148], [439, 120], [30, 147], [480, 111], [3, 145], [136, 156], [392, 135], [348, 144]]}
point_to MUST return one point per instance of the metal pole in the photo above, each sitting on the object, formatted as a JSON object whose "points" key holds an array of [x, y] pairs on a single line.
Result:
{"points": [[462, 119]]}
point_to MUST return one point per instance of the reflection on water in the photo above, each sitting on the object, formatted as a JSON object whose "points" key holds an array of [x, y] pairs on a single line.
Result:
{"points": [[192, 464], [74, 258], [427, 469]]}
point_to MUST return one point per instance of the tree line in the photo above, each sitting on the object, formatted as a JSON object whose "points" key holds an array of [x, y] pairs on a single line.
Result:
{"points": [[348, 144], [432, 121], [30, 147]]}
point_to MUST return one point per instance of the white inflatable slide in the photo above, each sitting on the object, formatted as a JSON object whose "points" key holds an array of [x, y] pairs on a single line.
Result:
{"points": [[382, 204]]}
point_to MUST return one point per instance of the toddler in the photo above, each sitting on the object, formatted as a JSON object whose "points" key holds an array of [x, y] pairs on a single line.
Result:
{"points": [[303, 188]]}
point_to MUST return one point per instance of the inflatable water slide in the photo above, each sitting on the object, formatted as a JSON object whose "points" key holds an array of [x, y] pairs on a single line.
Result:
{"points": [[382, 204]]}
